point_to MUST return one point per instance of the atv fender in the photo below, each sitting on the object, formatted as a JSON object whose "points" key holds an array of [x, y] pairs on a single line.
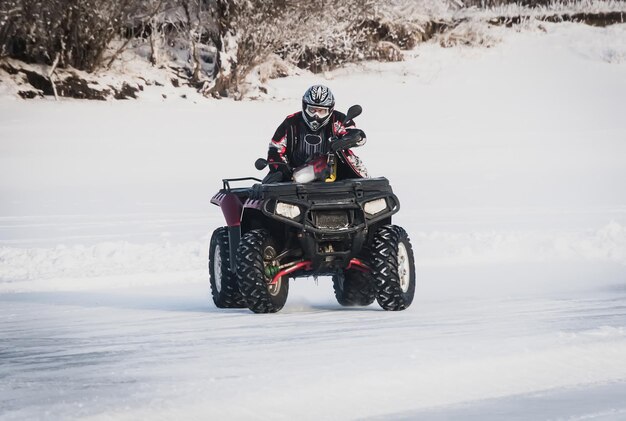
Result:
{"points": [[231, 207]]}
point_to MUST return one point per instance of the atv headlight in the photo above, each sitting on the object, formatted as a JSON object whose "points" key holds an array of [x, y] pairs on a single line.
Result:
{"points": [[375, 206], [287, 210]]}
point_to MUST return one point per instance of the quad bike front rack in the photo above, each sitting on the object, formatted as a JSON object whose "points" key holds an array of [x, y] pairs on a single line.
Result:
{"points": [[227, 181]]}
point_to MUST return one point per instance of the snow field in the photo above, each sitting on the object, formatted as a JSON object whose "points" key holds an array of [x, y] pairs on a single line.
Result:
{"points": [[114, 264]]}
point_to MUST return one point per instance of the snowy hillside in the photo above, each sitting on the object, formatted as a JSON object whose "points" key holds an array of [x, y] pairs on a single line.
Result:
{"points": [[509, 163]]}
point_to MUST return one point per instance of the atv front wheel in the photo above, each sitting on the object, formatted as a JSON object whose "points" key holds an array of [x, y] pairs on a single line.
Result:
{"points": [[224, 287], [257, 252], [393, 268], [354, 288]]}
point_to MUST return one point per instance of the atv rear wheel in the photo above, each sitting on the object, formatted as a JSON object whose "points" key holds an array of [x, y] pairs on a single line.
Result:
{"points": [[224, 287], [354, 288], [393, 268], [256, 252]]}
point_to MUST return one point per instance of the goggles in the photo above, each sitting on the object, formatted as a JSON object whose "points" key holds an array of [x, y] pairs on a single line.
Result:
{"points": [[319, 112]]}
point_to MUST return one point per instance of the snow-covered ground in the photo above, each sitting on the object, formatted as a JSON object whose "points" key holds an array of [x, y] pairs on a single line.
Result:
{"points": [[510, 163]]}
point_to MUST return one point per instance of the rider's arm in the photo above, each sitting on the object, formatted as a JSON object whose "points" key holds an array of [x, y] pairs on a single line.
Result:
{"points": [[356, 138], [339, 129], [346, 136], [352, 137], [277, 151]]}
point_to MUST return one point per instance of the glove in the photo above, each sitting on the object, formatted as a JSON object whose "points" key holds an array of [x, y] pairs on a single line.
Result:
{"points": [[354, 137]]}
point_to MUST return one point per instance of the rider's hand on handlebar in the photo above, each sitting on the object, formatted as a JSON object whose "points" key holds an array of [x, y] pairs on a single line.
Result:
{"points": [[353, 138]]}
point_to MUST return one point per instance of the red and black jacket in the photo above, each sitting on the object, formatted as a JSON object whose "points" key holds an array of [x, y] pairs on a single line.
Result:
{"points": [[294, 143]]}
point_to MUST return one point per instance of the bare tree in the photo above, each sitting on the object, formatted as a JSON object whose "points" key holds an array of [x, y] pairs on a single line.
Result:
{"points": [[224, 13], [141, 15], [247, 31], [197, 14]]}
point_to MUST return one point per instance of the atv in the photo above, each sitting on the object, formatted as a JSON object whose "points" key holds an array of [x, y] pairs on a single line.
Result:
{"points": [[309, 227]]}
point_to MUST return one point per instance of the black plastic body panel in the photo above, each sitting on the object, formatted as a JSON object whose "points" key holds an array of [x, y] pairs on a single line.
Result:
{"points": [[321, 205]]}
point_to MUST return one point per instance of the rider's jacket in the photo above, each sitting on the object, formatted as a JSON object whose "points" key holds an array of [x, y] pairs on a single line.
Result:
{"points": [[294, 143]]}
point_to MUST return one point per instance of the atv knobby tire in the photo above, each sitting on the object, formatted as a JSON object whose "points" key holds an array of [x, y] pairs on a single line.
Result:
{"points": [[354, 288], [252, 253], [393, 268], [224, 286]]}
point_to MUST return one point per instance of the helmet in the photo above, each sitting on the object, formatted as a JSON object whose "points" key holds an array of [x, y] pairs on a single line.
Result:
{"points": [[317, 106]]}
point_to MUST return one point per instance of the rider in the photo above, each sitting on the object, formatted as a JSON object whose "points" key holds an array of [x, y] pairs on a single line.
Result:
{"points": [[314, 131]]}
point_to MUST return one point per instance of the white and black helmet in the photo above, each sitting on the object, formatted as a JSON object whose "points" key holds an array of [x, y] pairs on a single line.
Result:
{"points": [[318, 103]]}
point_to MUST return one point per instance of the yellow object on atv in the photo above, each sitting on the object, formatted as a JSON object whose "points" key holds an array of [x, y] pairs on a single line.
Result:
{"points": [[333, 173]]}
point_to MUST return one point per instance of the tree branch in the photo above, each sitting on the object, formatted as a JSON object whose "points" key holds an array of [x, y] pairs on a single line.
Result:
{"points": [[51, 73]]}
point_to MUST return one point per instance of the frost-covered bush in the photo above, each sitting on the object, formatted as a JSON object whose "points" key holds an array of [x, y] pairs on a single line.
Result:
{"points": [[494, 3], [219, 40], [310, 33], [318, 35], [214, 45], [247, 33], [71, 32], [469, 33], [352, 30]]}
